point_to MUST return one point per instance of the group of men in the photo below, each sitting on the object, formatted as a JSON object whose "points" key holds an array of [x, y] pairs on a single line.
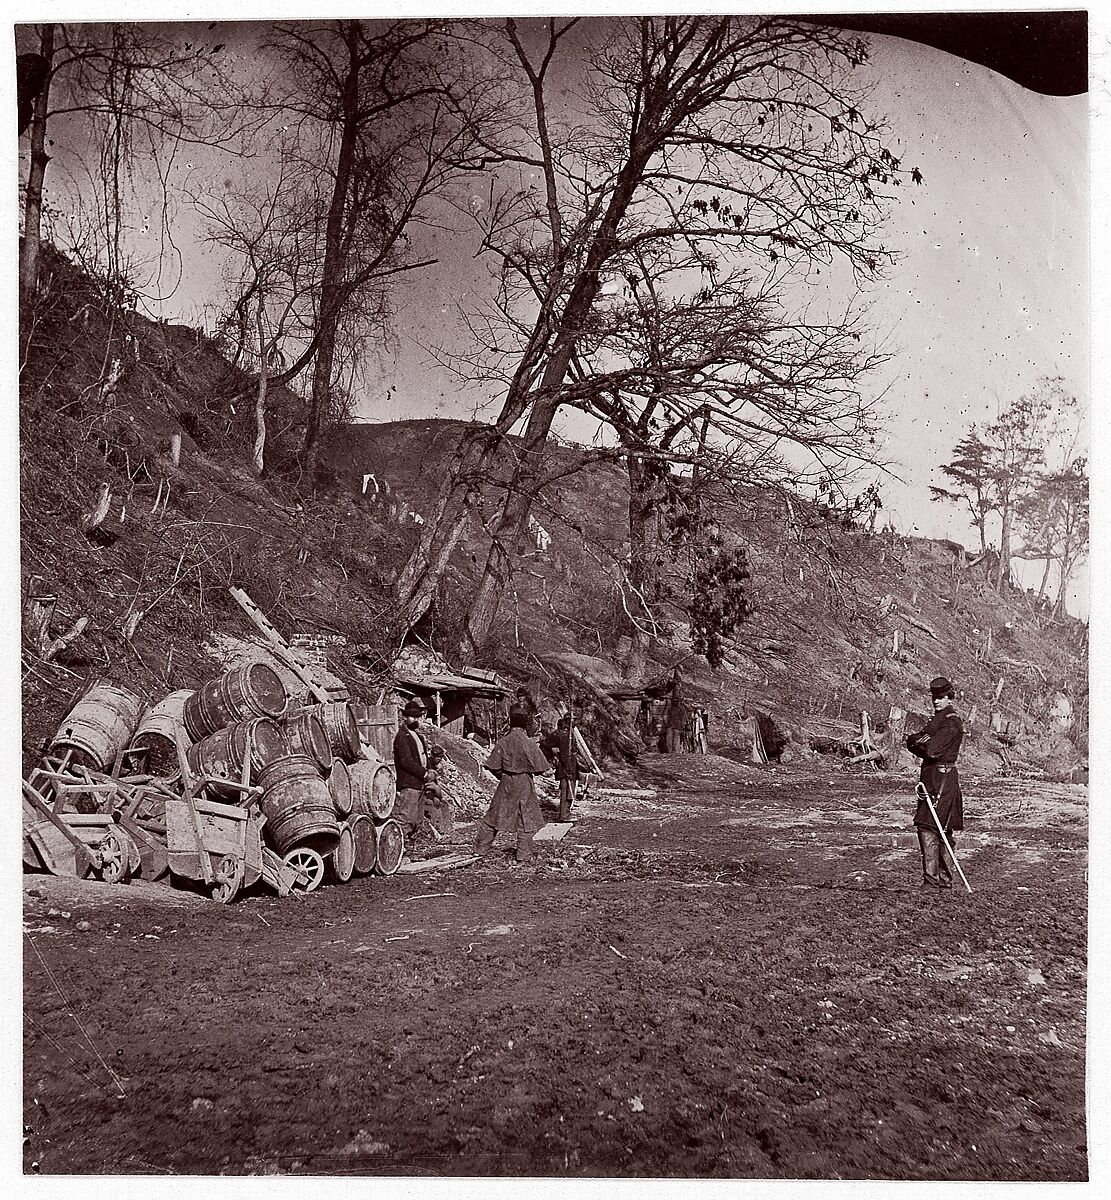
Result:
{"points": [[514, 760], [517, 757]]}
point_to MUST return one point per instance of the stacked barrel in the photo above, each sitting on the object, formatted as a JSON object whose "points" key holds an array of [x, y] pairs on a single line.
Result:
{"points": [[363, 790], [327, 793]]}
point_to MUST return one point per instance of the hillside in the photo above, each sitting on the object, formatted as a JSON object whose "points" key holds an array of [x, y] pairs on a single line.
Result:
{"points": [[844, 620]]}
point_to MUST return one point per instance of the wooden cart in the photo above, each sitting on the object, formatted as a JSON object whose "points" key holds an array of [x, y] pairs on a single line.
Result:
{"points": [[217, 844]]}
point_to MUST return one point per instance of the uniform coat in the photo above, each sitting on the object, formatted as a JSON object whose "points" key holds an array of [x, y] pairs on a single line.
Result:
{"points": [[515, 759], [937, 744]]}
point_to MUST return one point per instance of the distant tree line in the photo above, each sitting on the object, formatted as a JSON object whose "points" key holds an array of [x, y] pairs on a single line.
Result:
{"points": [[1022, 474]]}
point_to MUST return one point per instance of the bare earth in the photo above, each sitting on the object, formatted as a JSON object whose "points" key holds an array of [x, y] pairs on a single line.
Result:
{"points": [[737, 976]]}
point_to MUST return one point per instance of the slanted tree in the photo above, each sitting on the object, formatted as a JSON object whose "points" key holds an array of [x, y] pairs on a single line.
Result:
{"points": [[729, 136]]}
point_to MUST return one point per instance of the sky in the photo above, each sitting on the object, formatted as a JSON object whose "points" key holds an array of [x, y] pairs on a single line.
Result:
{"points": [[988, 296]]}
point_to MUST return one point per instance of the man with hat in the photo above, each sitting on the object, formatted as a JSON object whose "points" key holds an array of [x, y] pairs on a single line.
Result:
{"points": [[410, 761], [937, 744]]}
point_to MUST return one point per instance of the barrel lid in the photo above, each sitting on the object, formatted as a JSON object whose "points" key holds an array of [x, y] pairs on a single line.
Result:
{"points": [[267, 689], [269, 740]]}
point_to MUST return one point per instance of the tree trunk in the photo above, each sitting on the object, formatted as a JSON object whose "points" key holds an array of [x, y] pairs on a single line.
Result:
{"points": [[644, 495], [335, 262], [1003, 567], [512, 523], [416, 585], [260, 399], [1045, 579], [519, 496], [32, 213]]}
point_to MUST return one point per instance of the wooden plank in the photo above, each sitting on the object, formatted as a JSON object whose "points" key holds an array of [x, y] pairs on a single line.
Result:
{"points": [[279, 647], [584, 750], [554, 831], [436, 864]]}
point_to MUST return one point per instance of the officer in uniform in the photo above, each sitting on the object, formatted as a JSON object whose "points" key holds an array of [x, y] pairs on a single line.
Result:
{"points": [[937, 745]]}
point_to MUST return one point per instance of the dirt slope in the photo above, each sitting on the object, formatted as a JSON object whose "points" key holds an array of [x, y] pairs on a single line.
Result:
{"points": [[104, 392]]}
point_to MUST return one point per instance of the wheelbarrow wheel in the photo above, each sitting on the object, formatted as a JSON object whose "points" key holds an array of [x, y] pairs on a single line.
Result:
{"points": [[311, 866], [116, 852], [227, 878]]}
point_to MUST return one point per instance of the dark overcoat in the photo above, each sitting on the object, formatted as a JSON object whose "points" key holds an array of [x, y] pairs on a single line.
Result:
{"points": [[937, 744], [406, 759]]}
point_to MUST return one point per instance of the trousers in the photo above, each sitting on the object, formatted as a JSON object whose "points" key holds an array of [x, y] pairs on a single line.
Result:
{"points": [[487, 833], [937, 865], [566, 798]]}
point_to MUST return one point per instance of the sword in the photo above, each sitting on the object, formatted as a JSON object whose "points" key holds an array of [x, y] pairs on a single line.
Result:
{"points": [[921, 790]]}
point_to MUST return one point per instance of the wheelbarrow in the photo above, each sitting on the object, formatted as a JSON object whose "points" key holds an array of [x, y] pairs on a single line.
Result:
{"points": [[78, 844], [217, 844]]}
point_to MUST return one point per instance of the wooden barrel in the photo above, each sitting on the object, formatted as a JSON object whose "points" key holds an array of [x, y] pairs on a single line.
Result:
{"points": [[377, 727], [341, 862], [373, 788], [297, 805], [254, 690], [339, 784], [366, 843], [159, 727], [389, 847], [339, 724], [221, 753], [307, 736], [99, 726]]}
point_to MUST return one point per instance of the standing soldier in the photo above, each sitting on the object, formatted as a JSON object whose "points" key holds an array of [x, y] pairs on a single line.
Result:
{"points": [[937, 745], [514, 760], [560, 749]]}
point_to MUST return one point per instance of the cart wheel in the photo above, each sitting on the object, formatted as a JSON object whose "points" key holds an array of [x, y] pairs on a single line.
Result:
{"points": [[310, 863], [228, 876], [115, 850]]}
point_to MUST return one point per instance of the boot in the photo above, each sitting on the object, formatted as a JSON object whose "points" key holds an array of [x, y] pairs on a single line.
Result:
{"points": [[565, 792], [484, 839], [930, 846], [525, 850], [945, 862]]}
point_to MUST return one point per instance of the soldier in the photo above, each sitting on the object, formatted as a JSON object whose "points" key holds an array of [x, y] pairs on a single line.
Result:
{"points": [[560, 749], [937, 744], [514, 760]]}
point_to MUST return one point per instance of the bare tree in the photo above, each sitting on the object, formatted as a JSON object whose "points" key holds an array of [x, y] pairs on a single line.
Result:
{"points": [[998, 472], [723, 135], [112, 85], [388, 115], [1054, 517], [724, 381]]}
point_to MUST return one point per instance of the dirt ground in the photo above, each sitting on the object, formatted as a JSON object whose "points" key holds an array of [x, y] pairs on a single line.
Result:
{"points": [[735, 976]]}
